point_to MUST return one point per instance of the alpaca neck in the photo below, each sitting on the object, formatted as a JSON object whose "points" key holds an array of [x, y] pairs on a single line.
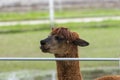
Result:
{"points": [[68, 70]]}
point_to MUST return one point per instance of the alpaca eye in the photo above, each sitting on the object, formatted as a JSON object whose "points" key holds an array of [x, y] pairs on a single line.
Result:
{"points": [[58, 38]]}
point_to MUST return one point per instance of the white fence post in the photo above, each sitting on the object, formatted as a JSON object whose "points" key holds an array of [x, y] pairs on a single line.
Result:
{"points": [[51, 12], [119, 64], [53, 76]]}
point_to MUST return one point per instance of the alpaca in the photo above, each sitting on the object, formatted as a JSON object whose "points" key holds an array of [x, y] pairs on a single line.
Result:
{"points": [[111, 77], [63, 44]]}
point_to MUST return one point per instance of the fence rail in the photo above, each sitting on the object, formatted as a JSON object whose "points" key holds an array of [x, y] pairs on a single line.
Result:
{"points": [[57, 59]]}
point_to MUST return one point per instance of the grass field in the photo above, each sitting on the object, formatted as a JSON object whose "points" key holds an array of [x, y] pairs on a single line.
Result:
{"points": [[23, 41], [63, 14]]}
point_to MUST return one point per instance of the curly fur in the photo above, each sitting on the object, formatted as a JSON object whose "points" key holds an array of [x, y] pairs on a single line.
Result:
{"points": [[115, 77], [66, 33]]}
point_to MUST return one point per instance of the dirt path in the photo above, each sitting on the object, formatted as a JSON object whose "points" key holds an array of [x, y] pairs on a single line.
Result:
{"points": [[33, 22]]}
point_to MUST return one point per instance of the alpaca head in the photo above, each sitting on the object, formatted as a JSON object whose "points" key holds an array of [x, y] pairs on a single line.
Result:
{"points": [[59, 41]]}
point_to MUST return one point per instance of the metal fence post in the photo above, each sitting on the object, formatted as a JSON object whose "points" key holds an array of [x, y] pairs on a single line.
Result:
{"points": [[51, 12], [53, 76]]}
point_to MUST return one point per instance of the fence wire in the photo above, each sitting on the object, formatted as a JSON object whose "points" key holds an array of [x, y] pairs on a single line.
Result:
{"points": [[57, 59]]}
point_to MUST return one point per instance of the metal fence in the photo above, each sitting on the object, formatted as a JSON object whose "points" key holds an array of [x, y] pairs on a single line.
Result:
{"points": [[57, 59], [18, 75]]}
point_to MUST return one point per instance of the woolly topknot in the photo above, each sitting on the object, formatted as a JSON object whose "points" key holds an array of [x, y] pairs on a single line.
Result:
{"points": [[66, 33]]}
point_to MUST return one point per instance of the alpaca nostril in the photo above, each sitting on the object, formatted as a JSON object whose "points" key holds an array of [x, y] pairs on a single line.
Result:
{"points": [[43, 42]]}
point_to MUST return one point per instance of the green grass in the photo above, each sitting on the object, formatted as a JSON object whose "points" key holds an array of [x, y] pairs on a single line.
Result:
{"points": [[59, 14], [23, 16], [104, 42], [90, 25]]}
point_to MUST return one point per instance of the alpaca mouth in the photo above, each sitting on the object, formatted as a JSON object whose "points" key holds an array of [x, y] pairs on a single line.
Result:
{"points": [[44, 49]]}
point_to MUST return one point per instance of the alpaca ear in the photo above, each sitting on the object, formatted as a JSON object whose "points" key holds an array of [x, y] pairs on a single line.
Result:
{"points": [[52, 28], [80, 42]]}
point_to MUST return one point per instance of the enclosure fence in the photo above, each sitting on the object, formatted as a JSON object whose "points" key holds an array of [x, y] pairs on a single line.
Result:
{"points": [[53, 74], [57, 59]]}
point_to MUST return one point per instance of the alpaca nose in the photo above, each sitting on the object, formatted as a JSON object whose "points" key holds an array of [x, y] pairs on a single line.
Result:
{"points": [[42, 42]]}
